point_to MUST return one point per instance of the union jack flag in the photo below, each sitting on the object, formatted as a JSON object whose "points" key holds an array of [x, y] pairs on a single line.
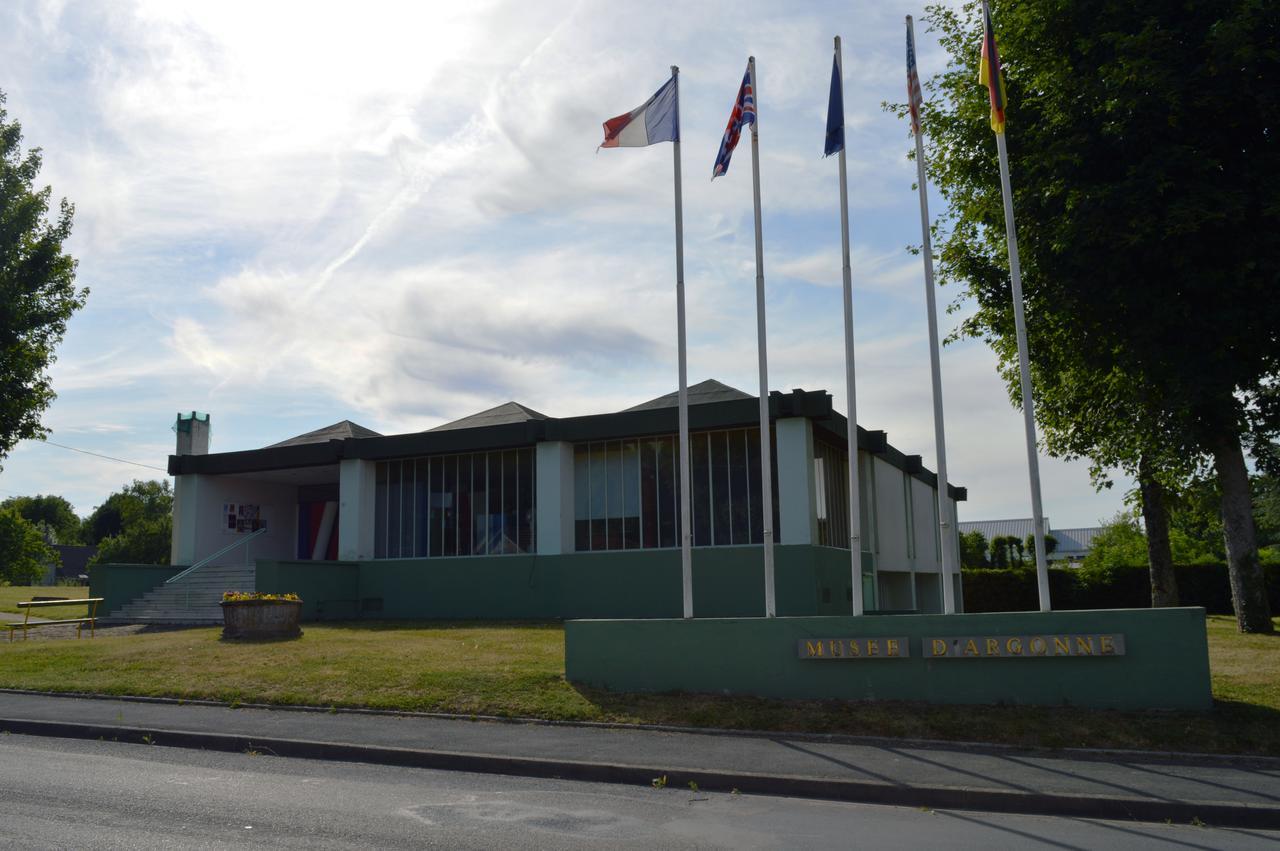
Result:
{"points": [[914, 96], [744, 112]]}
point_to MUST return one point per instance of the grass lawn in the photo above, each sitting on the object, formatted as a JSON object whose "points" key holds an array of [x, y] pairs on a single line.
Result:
{"points": [[11, 595], [518, 670]]}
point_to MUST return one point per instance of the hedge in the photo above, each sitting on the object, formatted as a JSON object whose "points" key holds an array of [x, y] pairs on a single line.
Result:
{"points": [[1014, 589]]}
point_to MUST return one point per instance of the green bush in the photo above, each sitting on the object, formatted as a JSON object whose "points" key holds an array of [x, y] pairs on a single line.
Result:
{"points": [[1014, 589]]}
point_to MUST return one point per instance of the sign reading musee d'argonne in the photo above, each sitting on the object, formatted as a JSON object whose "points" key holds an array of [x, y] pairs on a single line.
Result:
{"points": [[963, 647]]}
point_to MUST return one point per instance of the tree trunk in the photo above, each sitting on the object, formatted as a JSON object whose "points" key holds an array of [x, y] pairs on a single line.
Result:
{"points": [[1155, 516], [1248, 587]]}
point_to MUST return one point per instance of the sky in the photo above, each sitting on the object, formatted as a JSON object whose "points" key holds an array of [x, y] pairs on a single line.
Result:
{"points": [[396, 213]]}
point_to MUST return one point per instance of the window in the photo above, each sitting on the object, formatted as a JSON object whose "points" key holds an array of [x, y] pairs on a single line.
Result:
{"points": [[831, 497], [626, 492], [478, 503]]}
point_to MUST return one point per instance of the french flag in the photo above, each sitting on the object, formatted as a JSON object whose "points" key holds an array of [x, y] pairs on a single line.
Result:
{"points": [[658, 120]]}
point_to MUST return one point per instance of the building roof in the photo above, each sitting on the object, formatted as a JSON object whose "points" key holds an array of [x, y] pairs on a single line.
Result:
{"points": [[1019, 527], [1074, 541], [702, 393], [714, 406], [338, 431], [510, 412], [1078, 540]]}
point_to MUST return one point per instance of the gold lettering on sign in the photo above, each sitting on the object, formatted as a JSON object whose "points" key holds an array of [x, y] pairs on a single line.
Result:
{"points": [[1108, 645], [1038, 647], [873, 647], [854, 648], [837, 648], [1013, 647], [938, 647], [993, 647], [892, 647], [1084, 647], [1061, 647], [971, 648], [813, 648]]}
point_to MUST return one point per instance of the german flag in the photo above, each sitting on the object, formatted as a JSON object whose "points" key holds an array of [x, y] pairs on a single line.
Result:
{"points": [[989, 71]]}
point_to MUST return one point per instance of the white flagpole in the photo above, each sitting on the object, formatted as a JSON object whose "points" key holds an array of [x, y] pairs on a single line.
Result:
{"points": [[766, 459], [946, 522], [686, 528], [1024, 365], [851, 409]]}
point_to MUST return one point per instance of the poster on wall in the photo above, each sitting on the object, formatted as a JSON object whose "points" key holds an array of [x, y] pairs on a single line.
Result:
{"points": [[240, 518]]}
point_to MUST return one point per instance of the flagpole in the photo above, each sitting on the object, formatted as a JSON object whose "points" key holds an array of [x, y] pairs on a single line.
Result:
{"points": [[946, 520], [686, 528], [851, 406], [766, 454], [1024, 366]]}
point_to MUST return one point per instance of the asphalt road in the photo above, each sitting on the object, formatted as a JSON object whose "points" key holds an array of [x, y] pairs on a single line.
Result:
{"points": [[59, 793]]}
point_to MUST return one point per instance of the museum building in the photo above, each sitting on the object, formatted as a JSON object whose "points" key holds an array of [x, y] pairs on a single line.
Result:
{"points": [[510, 513]]}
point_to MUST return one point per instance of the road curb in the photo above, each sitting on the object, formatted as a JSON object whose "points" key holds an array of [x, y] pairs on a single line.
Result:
{"points": [[1226, 760], [853, 791]]}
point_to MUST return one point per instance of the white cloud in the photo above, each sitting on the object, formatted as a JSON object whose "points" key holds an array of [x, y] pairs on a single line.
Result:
{"points": [[290, 214]]}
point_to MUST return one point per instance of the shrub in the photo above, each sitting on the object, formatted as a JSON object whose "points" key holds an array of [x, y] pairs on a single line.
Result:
{"points": [[1104, 587]]}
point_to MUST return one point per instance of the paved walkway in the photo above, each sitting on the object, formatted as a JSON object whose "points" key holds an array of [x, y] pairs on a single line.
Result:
{"points": [[1224, 790]]}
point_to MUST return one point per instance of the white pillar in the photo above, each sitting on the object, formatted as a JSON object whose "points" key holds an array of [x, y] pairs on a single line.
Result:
{"points": [[798, 519], [554, 465], [186, 513], [357, 480]]}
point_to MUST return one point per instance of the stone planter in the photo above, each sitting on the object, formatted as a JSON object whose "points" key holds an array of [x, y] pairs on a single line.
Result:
{"points": [[261, 618]]}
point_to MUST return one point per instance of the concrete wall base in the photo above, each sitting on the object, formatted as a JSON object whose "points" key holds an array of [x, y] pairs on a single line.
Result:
{"points": [[1165, 663]]}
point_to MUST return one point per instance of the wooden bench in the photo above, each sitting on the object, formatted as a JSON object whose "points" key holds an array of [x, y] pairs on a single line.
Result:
{"points": [[91, 619]]}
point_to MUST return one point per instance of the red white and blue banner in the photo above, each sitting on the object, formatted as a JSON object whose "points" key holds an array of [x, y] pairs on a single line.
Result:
{"points": [[744, 112], [657, 120], [915, 98]]}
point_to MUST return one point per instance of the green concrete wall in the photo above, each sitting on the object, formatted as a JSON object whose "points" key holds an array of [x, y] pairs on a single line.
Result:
{"points": [[332, 588], [1166, 665], [119, 584], [727, 582]]}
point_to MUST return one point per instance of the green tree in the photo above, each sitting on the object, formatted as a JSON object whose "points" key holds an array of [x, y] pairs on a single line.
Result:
{"points": [[24, 556], [973, 550], [136, 501], [1142, 144], [147, 541], [37, 288], [1050, 544], [1120, 543], [134, 525], [54, 512]]}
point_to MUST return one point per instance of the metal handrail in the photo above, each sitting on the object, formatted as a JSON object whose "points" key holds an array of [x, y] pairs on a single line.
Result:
{"points": [[228, 548]]}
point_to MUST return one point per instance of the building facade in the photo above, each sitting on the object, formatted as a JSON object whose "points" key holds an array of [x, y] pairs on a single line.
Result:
{"points": [[511, 513]]}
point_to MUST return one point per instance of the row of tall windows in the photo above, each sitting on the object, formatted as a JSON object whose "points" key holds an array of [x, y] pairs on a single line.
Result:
{"points": [[831, 497], [478, 503], [626, 491]]}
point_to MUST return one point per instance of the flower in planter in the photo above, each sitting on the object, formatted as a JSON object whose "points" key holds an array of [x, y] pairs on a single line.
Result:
{"points": [[256, 596]]}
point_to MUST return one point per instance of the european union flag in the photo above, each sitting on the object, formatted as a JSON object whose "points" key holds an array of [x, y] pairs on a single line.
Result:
{"points": [[835, 113]]}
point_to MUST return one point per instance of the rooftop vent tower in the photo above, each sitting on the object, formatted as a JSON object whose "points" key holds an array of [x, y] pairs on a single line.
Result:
{"points": [[193, 433]]}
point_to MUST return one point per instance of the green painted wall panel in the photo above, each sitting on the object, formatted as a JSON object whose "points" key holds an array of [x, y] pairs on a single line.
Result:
{"points": [[1166, 664], [119, 584], [727, 582], [329, 589]]}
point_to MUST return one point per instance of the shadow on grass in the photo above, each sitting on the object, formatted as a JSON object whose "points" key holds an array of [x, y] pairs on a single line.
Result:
{"points": [[1231, 727]]}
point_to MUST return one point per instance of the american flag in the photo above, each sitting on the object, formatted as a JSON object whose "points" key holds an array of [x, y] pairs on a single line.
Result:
{"points": [[744, 112], [914, 96]]}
